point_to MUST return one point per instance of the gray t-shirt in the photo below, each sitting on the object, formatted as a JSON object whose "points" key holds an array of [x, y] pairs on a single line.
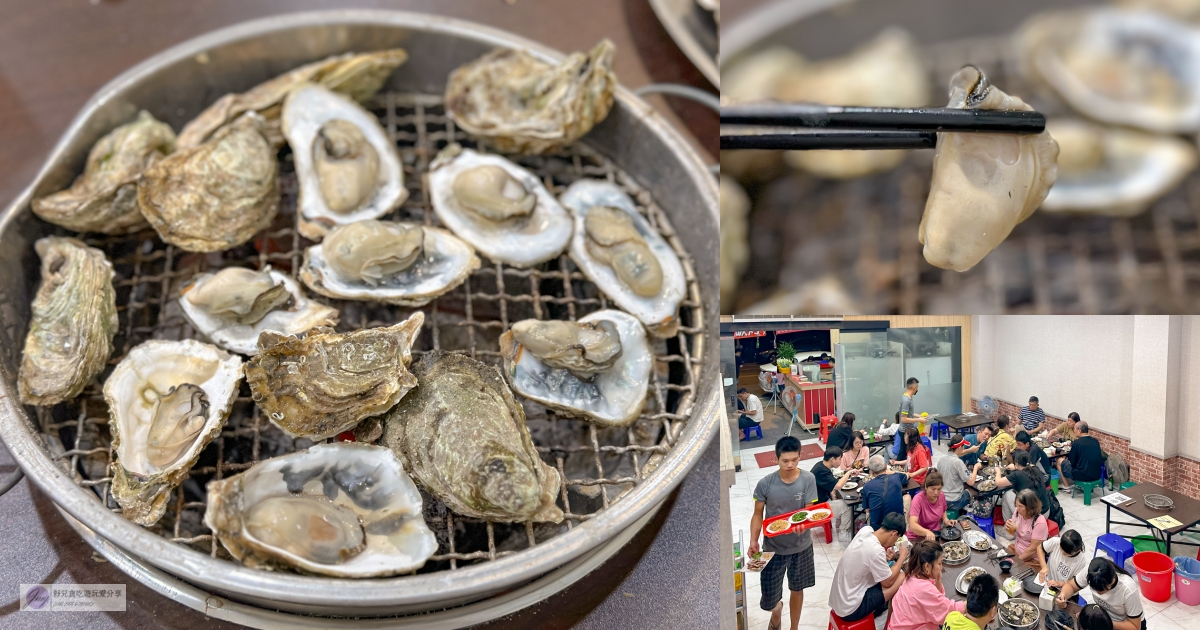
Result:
{"points": [[954, 475], [780, 498], [906, 409]]}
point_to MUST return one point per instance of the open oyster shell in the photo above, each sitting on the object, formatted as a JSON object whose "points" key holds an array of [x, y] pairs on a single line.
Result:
{"points": [[538, 228], [211, 303], [73, 322], [1114, 171], [520, 104], [217, 195], [462, 436], [166, 401], [658, 311], [358, 76], [104, 197], [613, 396], [347, 167], [439, 264], [340, 509], [984, 184], [325, 383]]}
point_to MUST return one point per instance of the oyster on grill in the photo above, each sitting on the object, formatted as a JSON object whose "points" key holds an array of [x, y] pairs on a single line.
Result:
{"points": [[984, 184], [357, 76], [231, 307], [347, 167], [104, 197], [501, 209], [462, 436], [217, 195], [340, 509], [1135, 68], [1114, 171], [396, 263], [166, 401], [72, 325], [597, 368], [616, 248], [326, 383], [521, 104]]}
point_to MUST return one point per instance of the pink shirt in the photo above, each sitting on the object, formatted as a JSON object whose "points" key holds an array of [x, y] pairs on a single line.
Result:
{"points": [[1028, 531], [929, 515], [849, 457], [919, 605]]}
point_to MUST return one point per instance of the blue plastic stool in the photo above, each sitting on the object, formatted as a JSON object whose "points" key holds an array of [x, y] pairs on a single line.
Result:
{"points": [[985, 525], [1117, 548], [928, 444], [754, 429]]}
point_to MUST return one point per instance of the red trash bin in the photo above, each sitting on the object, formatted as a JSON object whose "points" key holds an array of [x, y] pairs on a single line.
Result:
{"points": [[1155, 572]]}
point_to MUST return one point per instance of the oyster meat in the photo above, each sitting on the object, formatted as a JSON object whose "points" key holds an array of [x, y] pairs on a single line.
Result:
{"points": [[357, 76], [597, 368], [984, 184], [104, 198], [347, 166], [217, 195], [396, 263], [1135, 68], [616, 248], [325, 383], [231, 307], [462, 436], [1114, 171], [340, 509], [72, 325], [166, 401], [521, 104], [501, 209]]}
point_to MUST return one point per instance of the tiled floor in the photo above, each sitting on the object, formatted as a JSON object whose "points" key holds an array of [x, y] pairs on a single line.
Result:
{"points": [[1087, 520]]}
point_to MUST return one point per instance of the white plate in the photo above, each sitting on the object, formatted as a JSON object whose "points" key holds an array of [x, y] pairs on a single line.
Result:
{"points": [[850, 486]]}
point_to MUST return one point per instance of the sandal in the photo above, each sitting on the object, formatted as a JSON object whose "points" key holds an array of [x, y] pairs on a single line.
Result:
{"points": [[778, 625]]}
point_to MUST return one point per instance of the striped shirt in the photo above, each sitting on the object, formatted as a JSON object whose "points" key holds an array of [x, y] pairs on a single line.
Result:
{"points": [[1030, 419]]}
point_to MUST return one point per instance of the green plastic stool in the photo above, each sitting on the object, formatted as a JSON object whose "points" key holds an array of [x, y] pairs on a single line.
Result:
{"points": [[1128, 484], [952, 515], [1054, 485], [1087, 487]]}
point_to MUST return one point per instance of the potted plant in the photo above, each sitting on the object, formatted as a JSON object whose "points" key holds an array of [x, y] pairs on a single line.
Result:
{"points": [[786, 354]]}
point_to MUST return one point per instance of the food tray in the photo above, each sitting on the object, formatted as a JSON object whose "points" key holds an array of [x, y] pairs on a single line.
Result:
{"points": [[795, 528], [962, 584], [613, 478], [1158, 502], [1019, 606], [974, 539], [955, 545]]}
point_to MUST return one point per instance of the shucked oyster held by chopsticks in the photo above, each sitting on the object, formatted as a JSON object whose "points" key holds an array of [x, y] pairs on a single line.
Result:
{"points": [[73, 323]]}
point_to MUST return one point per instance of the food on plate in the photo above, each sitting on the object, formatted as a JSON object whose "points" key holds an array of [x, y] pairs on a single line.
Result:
{"points": [[817, 515], [799, 517], [777, 526]]}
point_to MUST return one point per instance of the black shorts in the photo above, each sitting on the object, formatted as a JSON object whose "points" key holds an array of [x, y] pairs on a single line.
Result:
{"points": [[744, 422], [873, 603], [801, 574]]}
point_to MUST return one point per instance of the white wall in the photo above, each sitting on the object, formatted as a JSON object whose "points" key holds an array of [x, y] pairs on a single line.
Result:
{"points": [[1188, 432]]}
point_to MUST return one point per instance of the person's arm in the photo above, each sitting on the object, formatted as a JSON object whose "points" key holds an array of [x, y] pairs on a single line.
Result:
{"points": [[841, 482], [1131, 623], [914, 526], [1001, 482], [895, 574], [1030, 552], [1068, 592], [755, 528], [974, 473], [1041, 555]]}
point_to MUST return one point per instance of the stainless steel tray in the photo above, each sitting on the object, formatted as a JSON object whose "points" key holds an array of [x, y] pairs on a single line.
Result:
{"points": [[175, 85]]}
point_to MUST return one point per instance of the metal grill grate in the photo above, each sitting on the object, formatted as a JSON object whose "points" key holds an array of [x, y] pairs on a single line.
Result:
{"points": [[864, 233], [597, 465]]}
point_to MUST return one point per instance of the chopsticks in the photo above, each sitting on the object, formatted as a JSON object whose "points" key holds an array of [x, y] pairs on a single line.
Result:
{"points": [[802, 126]]}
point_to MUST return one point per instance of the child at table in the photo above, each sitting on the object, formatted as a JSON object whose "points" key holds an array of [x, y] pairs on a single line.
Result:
{"points": [[983, 602], [1093, 617], [1062, 558], [921, 602], [1030, 527], [1114, 589]]}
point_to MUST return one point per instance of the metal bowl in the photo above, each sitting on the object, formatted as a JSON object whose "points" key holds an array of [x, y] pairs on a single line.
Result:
{"points": [[961, 584], [1014, 604], [1158, 502], [694, 31], [177, 84]]}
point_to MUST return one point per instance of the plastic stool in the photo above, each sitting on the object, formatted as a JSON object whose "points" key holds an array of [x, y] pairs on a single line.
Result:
{"points": [[952, 515], [754, 429], [1053, 528], [828, 527], [997, 516], [985, 525], [837, 623], [1087, 487], [1054, 481], [928, 445], [1117, 548]]}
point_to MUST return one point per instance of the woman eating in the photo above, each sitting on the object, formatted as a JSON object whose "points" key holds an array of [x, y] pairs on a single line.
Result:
{"points": [[1030, 527], [921, 602], [1115, 591], [857, 455], [928, 511], [917, 460], [1062, 558], [1023, 476], [841, 434]]}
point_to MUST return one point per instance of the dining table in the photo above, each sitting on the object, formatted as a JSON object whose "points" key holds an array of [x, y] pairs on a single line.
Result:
{"points": [[853, 498], [1186, 511], [960, 423]]}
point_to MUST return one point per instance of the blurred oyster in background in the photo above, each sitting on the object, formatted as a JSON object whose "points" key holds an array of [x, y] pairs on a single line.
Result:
{"points": [[822, 296], [1188, 10], [217, 195], [984, 184], [735, 246], [756, 78], [521, 104], [1113, 171], [72, 325], [1134, 68], [104, 197]]}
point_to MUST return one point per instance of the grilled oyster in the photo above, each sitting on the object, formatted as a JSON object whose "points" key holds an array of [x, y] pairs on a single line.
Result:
{"points": [[347, 166], [217, 195], [357, 76], [463, 437], [397, 263], [618, 250], [166, 400], [1113, 171], [520, 104], [326, 383], [984, 184], [501, 209], [340, 509], [597, 368], [231, 307], [73, 322], [104, 197]]}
